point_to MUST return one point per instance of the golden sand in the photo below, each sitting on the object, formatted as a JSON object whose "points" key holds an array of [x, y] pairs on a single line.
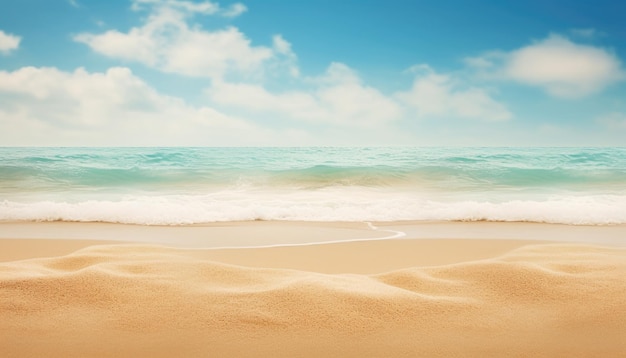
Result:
{"points": [[543, 300]]}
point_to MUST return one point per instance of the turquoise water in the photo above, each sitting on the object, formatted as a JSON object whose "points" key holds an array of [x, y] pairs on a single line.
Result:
{"points": [[195, 185]]}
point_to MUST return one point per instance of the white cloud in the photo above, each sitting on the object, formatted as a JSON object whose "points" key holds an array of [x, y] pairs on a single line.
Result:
{"points": [[439, 95], [282, 46], [563, 68], [205, 7], [167, 42], [559, 66], [481, 62], [235, 10], [190, 7], [337, 73], [213, 54], [46, 106], [288, 58], [339, 98], [615, 120], [8, 42]]}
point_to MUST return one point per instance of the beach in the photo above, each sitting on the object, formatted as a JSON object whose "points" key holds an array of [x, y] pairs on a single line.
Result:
{"points": [[312, 179], [312, 252], [401, 289]]}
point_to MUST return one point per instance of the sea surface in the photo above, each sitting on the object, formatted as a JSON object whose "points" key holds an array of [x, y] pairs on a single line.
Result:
{"points": [[172, 186]]}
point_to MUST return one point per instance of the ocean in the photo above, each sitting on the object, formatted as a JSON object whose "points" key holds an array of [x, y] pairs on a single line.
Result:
{"points": [[175, 186]]}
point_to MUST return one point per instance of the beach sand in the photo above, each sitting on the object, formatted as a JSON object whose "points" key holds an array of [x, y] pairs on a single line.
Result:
{"points": [[442, 290]]}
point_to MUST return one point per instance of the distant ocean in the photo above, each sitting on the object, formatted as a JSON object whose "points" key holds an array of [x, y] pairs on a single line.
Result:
{"points": [[174, 186]]}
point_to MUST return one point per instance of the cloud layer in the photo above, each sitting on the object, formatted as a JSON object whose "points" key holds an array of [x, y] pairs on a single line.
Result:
{"points": [[53, 107], [339, 97], [255, 92]]}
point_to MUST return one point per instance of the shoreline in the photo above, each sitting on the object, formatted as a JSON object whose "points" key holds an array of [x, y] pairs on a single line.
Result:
{"points": [[359, 247], [347, 247], [260, 234]]}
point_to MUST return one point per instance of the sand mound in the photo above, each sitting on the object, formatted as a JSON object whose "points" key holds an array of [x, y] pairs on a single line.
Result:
{"points": [[112, 301]]}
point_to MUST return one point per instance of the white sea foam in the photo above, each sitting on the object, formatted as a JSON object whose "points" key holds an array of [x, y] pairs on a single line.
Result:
{"points": [[319, 206]]}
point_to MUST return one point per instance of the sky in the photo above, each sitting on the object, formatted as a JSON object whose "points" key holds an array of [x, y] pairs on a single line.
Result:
{"points": [[312, 72]]}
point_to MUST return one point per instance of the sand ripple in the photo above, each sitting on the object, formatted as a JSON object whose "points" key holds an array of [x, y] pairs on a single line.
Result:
{"points": [[128, 300]]}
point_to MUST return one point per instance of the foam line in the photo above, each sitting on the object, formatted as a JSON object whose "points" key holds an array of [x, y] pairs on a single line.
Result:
{"points": [[395, 235], [353, 205]]}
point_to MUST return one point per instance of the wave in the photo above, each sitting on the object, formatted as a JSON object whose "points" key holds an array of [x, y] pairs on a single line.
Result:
{"points": [[194, 185], [329, 205], [198, 179]]}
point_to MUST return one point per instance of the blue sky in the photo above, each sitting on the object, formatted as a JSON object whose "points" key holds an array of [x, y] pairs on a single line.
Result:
{"points": [[275, 72]]}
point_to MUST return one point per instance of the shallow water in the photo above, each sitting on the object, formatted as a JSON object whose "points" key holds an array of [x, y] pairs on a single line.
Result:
{"points": [[195, 185]]}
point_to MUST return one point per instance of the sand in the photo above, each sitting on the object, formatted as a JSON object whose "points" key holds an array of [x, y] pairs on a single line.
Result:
{"points": [[405, 297]]}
